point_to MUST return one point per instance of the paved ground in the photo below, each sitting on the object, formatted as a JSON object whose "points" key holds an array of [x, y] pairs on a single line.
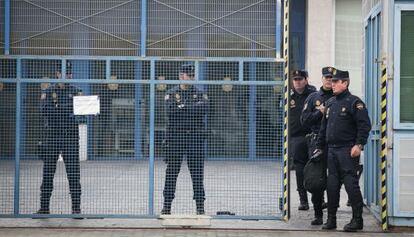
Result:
{"points": [[257, 179], [246, 188]]}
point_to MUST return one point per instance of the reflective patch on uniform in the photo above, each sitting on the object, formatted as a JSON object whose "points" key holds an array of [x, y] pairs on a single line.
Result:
{"points": [[327, 113], [167, 97], [292, 104], [360, 106], [343, 109], [305, 106], [43, 96], [205, 96]]}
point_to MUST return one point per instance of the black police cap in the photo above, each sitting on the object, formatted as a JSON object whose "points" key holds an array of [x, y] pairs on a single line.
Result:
{"points": [[299, 74], [328, 71], [187, 69], [340, 75]]}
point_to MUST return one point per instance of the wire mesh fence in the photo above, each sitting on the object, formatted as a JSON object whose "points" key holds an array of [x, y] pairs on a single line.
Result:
{"points": [[144, 27], [210, 143]]}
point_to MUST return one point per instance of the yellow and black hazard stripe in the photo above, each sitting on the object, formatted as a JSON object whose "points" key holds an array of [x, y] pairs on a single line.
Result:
{"points": [[285, 110], [384, 216]]}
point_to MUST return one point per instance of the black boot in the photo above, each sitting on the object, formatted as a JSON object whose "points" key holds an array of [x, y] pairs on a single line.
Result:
{"points": [[166, 210], [318, 220], [303, 197], [200, 207], [44, 204], [330, 223], [357, 223]]}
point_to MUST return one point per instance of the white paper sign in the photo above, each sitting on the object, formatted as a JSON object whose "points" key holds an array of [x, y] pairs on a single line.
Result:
{"points": [[86, 105]]}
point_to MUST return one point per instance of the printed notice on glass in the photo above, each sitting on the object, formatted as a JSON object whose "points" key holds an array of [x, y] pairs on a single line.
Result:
{"points": [[86, 105]]}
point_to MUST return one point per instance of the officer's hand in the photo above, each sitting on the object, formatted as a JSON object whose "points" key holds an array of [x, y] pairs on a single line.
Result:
{"points": [[355, 151], [316, 155]]}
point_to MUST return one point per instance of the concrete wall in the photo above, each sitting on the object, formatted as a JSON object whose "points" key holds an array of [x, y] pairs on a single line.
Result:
{"points": [[319, 38], [349, 40], [335, 37]]}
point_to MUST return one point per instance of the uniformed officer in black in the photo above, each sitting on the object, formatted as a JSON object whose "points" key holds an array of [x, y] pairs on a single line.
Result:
{"points": [[186, 107], [298, 148], [311, 118], [344, 130], [61, 138]]}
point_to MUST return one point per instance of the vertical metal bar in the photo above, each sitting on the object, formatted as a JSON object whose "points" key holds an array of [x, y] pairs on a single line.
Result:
{"points": [[7, 27], [252, 112], [278, 28], [143, 27], [137, 124], [286, 174], [197, 70], [108, 69], [17, 141], [241, 70], [151, 148], [63, 69]]}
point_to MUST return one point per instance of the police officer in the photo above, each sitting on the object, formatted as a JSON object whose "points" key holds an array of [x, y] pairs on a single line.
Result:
{"points": [[61, 138], [311, 118], [298, 149], [344, 130], [186, 107]]}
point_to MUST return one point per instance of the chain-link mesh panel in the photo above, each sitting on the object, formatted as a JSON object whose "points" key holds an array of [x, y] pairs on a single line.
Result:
{"points": [[2, 27], [88, 162], [217, 139], [212, 28], [7, 142], [7, 135], [75, 27], [222, 143]]}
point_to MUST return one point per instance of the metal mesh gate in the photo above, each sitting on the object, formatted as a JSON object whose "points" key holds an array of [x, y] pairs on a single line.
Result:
{"points": [[114, 164], [122, 150]]}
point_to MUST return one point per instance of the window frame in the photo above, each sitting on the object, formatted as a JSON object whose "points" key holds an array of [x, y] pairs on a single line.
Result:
{"points": [[397, 64]]}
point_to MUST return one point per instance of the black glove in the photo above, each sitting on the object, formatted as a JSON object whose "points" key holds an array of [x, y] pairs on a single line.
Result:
{"points": [[316, 155]]}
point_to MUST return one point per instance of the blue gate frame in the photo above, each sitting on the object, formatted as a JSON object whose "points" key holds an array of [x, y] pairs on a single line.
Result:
{"points": [[242, 62]]}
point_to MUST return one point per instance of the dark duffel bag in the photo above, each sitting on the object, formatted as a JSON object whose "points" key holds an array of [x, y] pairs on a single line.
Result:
{"points": [[314, 176]]}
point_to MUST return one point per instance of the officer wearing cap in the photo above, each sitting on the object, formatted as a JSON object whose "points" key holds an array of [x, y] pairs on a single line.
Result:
{"points": [[186, 107], [311, 118], [344, 130], [61, 130], [298, 149]]}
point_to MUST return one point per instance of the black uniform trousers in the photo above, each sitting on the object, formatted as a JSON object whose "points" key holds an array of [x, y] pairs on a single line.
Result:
{"points": [[191, 145], [342, 168], [70, 154], [317, 197], [299, 151]]}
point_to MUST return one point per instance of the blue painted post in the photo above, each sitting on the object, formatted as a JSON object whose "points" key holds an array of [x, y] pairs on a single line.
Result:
{"points": [[152, 138], [17, 141], [7, 27], [241, 69], [278, 28], [143, 27], [137, 125], [252, 112], [86, 90]]}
